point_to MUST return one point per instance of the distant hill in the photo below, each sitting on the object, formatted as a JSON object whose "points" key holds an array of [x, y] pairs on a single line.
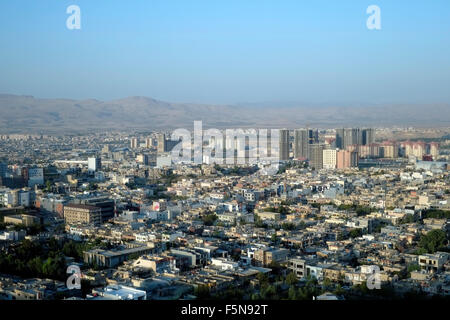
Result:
{"points": [[30, 114]]}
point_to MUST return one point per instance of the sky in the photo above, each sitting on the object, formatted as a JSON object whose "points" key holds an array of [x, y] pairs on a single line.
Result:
{"points": [[228, 51]]}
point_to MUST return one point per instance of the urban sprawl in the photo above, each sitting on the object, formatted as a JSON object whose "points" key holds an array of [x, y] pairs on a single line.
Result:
{"points": [[348, 214]]}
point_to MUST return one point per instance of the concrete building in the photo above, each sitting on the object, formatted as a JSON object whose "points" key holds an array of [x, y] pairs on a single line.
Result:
{"points": [[105, 204], [3, 169], [35, 177], [303, 138], [22, 219], [156, 263], [143, 159], [162, 143], [117, 292], [297, 266], [265, 256], [269, 215], [284, 144], [347, 137], [329, 158], [316, 156], [148, 143], [112, 258], [79, 213], [433, 262], [346, 159], [94, 164], [367, 136], [134, 143]]}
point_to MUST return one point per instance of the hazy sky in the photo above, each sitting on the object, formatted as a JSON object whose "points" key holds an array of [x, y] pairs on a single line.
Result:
{"points": [[226, 51]]}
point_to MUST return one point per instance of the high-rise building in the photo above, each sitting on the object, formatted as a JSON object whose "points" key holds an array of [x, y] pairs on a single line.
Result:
{"points": [[301, 143], [367, 136], [284, 144], [389, 150], [3, 169], [347, 137], [352, 137], [316, 156], [162, 143], [302, 139], [329, 158], [313, 136], [415, 149], [434, 150], [134, 143], [94, 164], [346, 159], [142, 158], [340, 138], [35, 176], [148, 143]]}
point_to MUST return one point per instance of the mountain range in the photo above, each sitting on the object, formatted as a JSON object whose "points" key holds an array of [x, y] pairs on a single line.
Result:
{"points": [[20, 114]]}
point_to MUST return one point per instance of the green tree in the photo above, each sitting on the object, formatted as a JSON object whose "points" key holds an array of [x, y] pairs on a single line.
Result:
{"points": [[355, 233], [209, 219], [263, 278], [202, 292], [292, 293], [291, 279], [433, 241]]}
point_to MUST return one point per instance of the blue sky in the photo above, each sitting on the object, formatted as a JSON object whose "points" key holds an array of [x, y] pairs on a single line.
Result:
{"points": [[228, 51]]}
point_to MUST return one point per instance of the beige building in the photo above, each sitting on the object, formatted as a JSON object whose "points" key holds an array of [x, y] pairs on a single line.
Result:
{"points": [[23, 219], [433, 262], [346, 159], [79, 213], [269, 215], [329, 158], [264, 257]]}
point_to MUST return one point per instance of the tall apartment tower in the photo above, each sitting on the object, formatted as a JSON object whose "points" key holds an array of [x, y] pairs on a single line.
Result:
{"points": [[284, 144], [347, 137], [94, 164], [302, 139], [313, 136], [162, 143], [316, 156], [340, 138], [301, 143], [134, 143], [3, 169], [329, 158], [148, 143], [367, 136], [346, 159]]}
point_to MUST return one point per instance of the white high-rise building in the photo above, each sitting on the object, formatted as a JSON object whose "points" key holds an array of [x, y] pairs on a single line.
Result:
{"points": [[94, 164], [329, 158]]}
